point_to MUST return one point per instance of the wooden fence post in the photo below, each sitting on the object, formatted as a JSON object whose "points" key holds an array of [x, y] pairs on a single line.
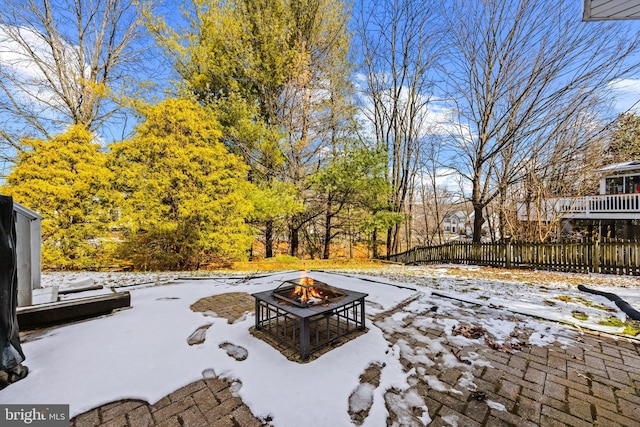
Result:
{"points": [[507, 254], [595, 257]]}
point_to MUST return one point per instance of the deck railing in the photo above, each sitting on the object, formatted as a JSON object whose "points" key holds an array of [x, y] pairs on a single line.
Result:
{"points": [[606, 203], [585, 205], [592, 257]]}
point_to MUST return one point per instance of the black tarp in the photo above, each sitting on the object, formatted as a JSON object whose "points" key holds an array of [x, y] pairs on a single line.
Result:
{"points": [[622, 304], [10, 348]]}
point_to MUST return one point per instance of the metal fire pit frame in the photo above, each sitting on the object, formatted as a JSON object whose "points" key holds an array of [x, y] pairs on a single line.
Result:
{"points": [[307, 329]]}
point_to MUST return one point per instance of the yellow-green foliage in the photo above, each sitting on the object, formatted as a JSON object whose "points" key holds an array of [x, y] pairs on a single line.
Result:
{"points": [[580, 315], [184, 195], [66, 181], [274, 200], [238, 46], [286, 262], [630, 328]]}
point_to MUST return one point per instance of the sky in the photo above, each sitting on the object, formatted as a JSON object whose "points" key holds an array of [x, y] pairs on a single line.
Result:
{"points": [[142, 352], [627, 95], [629, 90]]}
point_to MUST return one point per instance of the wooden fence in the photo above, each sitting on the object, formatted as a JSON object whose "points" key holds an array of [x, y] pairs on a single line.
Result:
{"points": [[592, 257]]}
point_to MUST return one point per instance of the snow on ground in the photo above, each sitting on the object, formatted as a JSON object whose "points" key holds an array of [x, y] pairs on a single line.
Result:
{"points": [[67, 279], [142, 352], [552, 296]]}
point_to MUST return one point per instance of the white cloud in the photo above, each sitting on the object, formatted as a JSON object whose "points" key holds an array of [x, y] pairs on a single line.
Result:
{"points": [[15, 55], [29, 66], [435, 117], [449, 183], [455, 184], [627, 95], [449, 179]]}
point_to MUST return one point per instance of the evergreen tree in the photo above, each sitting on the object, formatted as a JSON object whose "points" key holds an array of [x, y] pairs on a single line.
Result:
{"points": [[353, 178], [65, 179], [184, 195], [281, 59]]}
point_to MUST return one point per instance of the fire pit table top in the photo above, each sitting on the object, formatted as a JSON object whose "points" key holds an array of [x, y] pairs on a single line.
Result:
{"points": [[312, 310]]}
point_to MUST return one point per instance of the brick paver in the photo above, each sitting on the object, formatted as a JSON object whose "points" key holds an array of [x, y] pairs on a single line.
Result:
{"points": [[594, 381], [208, 402], [590, 381]]}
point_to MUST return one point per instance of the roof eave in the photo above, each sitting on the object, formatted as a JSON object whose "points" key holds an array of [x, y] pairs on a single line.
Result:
{"points": [[610, 10]]}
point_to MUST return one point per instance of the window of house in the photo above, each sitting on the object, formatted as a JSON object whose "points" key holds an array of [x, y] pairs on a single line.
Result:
{"points": [[632, 184], [615, 185]]}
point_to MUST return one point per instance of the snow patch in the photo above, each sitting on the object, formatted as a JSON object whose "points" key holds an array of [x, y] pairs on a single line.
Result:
{"points": [[362, 398], [495, 405]]}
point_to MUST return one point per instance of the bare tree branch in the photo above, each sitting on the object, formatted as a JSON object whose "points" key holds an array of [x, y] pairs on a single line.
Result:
{"points": [[398, 46], [64, 63], [520, 73]]}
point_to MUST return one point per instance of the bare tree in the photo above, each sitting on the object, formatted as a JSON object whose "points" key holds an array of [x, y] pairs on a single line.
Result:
{"points": [[559, 174], [437, 193], [66, 62], [519, 73], [397, 42]]}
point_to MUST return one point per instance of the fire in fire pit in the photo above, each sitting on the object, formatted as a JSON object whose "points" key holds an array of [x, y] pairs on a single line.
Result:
{"points": [[306, 291]]}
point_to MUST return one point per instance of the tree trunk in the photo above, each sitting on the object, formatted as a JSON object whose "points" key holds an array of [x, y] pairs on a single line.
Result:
{"points": [[478, 222], [327, 230], [374, 244], [294, 241], [502, 218], [268, 239]]}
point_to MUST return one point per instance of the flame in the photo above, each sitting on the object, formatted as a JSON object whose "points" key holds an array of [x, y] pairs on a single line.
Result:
{"points": [[305, 291], [304, 294]]}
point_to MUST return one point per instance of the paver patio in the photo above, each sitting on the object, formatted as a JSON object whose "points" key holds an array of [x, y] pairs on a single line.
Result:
{"points": [[594, 382]]}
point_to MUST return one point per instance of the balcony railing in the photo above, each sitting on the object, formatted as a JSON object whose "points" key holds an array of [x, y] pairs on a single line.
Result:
{"points": [[585, 207], [606, 203]]}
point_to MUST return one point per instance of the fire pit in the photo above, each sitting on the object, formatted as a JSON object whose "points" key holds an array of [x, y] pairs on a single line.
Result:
{"points": [[306, 314]]}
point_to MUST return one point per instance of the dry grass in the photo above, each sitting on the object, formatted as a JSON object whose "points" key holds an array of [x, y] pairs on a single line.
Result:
{"points": [[537, 277], [531, 277], [290, 263]]}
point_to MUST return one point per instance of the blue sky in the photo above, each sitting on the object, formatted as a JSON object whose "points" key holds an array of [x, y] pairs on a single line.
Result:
{"points": [[628, 95], [628, 91]]}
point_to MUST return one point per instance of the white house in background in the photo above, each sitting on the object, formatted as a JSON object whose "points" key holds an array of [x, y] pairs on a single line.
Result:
{"points": [[460, 223], [615, 211], [455, 222]]}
